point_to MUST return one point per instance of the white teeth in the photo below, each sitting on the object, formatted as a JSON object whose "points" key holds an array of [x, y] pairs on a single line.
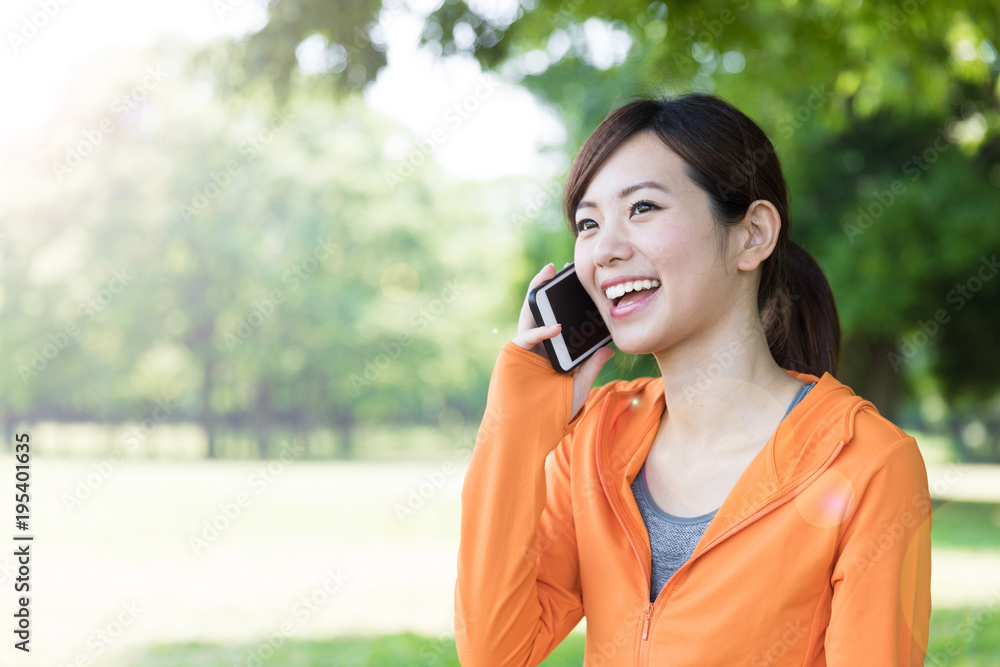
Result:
{"points": [[620, 289]]}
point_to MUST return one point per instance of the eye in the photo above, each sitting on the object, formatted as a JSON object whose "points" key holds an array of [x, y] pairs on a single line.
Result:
{"points": [[642, 206], [581, 225]]}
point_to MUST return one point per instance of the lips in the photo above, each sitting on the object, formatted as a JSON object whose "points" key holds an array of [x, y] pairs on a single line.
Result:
{"points": [[619, 310]]}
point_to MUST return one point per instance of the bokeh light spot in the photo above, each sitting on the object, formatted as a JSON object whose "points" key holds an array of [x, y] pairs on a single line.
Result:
{"points": [[400, 282], [824, 503]]}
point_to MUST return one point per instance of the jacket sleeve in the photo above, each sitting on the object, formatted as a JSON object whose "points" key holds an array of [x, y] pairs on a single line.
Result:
{"points": [[881, 579], [518, 589]]}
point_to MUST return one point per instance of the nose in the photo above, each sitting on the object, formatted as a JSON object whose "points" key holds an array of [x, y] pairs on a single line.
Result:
{"points": [[611, 245]]}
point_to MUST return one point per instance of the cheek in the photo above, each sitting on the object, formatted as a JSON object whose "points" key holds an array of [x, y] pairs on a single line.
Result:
{"points": [[681, 250], [584, 263], [583, 260]]}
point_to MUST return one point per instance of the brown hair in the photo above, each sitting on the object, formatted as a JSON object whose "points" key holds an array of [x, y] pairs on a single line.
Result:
{"points": [[732, 160]]}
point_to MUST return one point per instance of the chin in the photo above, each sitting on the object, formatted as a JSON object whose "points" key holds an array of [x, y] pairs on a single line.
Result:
{"points": [[634, 345]]}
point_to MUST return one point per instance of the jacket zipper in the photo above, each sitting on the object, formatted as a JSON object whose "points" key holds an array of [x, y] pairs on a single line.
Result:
{"points": [[780, 500], [644, 646]]}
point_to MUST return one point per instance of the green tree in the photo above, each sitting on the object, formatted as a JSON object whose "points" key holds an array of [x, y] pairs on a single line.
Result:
{"points": [[276, 255], [882, 94]]}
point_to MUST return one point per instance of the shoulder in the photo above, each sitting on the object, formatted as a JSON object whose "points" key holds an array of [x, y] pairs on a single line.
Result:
{"points": [[881, 454]]}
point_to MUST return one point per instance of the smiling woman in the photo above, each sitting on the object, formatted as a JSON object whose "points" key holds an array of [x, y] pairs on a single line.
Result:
{"points": [[739, 494]]}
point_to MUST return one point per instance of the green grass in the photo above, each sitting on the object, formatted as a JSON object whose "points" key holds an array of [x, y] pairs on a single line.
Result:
{"points": [[391, 650], [959, 638], [965, 637], [130, 541], [966, 525]]}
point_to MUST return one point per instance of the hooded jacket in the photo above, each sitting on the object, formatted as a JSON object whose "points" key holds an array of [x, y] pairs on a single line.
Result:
{"points": [[819, 555]]}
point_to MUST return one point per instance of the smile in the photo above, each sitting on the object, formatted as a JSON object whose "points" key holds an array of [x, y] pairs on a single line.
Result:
{"points": [[621, 306]]}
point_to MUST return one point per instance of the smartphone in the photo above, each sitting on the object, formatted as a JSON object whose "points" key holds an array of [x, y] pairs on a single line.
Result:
{"points": [[563, 300]]}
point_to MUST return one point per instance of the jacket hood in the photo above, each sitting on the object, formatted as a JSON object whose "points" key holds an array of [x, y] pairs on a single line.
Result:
{"points": [[805, 443]]}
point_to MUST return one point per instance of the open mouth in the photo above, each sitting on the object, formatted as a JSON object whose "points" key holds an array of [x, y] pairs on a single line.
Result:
{"points": [[623, 294]]}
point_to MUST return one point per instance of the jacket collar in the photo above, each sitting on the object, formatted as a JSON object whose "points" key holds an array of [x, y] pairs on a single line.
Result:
{"points": [[804, 444]]}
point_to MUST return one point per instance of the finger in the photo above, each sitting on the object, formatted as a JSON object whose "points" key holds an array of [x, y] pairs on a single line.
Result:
{"points": [[543, 275], [532, 337]]}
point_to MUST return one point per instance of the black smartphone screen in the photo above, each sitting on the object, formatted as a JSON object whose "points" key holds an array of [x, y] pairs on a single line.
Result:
{"points": [[564, 300], [583, 327]]}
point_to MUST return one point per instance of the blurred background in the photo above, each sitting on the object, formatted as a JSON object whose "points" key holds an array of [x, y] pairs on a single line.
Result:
{"points": [[258, 259]]}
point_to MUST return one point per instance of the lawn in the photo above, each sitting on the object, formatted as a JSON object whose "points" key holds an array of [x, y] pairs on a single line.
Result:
{"points": [[316, 563], [409, 649]]}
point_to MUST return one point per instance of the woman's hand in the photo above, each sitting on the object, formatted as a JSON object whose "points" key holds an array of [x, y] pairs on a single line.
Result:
{"points": [[530, 337]]}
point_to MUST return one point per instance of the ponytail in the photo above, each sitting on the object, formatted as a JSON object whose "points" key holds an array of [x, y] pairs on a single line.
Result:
{"points": [[799, 314]]}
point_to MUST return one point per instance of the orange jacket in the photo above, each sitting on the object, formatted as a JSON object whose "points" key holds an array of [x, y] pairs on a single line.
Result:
{"points": [[820, 555]]}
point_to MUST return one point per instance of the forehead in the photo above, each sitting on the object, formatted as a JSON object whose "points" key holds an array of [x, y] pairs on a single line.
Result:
{"points": [[640, 157]]}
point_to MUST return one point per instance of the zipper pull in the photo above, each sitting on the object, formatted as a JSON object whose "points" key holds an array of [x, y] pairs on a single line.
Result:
{"points": [[645, 625]]}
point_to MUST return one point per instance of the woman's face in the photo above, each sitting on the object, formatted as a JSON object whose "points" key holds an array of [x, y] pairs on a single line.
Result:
{"points": [[643, 219]]}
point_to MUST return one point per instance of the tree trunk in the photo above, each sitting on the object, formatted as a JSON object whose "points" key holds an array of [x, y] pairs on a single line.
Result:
{"points": [[866, 369], [344, 427], [207, 417], [262, 423]]}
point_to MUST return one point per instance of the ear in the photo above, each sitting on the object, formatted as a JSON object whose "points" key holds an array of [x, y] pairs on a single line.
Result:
{"points": [[758, 234]]}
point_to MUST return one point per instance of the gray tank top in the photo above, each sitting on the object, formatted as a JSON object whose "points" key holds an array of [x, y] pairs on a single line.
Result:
{"points": [[673, 538]]}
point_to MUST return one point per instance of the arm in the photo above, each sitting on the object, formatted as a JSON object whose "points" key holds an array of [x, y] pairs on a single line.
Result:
{"points": [[518, 590], [881, 580]]}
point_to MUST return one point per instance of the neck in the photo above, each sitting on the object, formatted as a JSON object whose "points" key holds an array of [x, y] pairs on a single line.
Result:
{"points": [[724, 391]]}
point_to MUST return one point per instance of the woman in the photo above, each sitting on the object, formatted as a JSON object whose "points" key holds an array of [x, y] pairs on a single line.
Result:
{"points": [[745, 507]]}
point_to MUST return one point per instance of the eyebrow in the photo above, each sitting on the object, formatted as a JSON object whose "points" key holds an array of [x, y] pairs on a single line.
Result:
{"points": [[626, 191]]}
